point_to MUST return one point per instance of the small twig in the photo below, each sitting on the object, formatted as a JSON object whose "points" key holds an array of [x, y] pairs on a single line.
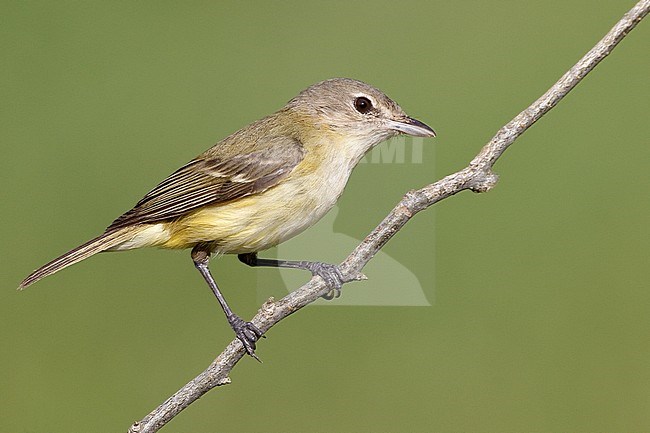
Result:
{"points": [[477, 177]]}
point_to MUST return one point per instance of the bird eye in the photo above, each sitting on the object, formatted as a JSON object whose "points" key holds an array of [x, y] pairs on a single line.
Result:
{"points": [[362, 104]]}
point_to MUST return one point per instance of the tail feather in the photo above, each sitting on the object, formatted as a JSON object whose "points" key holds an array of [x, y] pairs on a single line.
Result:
{"points": [[101, 243]]}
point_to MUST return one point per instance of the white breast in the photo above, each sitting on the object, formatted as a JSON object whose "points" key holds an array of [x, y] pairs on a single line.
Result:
{"points": [[263, 220]]}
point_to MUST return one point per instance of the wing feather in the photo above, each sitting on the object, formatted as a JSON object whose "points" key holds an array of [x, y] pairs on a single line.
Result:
{"points": [[212, 178]]}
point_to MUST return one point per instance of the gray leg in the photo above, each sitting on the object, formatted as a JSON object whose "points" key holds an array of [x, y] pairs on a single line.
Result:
{"points": [[328, 272], [246, 332]]}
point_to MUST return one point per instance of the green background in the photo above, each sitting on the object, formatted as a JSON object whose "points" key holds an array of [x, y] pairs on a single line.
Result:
{"points": [[540, 311]]}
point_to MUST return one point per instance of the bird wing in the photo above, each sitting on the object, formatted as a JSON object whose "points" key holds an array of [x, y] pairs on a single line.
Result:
{"points": [[212, 179]]}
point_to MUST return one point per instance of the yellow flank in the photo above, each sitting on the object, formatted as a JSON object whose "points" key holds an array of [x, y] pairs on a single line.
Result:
{"points": [[261, 221]]}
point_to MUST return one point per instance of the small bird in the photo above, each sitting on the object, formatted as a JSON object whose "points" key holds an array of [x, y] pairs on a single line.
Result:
{"points": [[258, 187]]}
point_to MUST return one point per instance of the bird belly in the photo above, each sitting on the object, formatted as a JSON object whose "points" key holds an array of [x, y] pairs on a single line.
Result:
{"points": [[260, 221]]}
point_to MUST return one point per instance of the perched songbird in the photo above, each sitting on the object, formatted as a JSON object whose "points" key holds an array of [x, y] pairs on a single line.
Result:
{"points": [[258, 187]]}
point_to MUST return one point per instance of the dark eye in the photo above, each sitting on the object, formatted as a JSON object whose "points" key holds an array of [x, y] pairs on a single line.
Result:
{"points": [[362, 104]]}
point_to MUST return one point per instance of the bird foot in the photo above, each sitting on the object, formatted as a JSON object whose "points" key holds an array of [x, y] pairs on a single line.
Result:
{"points": [[247, 333], [332, 276]]}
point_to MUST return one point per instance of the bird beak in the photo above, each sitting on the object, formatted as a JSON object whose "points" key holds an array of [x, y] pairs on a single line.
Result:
{"points": [[410, 126]]}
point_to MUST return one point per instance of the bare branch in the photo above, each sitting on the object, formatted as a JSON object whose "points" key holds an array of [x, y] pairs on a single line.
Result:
{"points": [[477, 177]]}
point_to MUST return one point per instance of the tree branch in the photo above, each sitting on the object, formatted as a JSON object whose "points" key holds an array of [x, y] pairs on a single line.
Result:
{"points": [[477, 177]]}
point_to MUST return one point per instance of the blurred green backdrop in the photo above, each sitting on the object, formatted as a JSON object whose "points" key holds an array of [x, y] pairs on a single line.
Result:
{"points": [[540, 309]]}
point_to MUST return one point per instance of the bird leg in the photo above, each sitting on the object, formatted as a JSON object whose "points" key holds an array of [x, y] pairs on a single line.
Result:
{"points": [[331, 274], [246, 332]]}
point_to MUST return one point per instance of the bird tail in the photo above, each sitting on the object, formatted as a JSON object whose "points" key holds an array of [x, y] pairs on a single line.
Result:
{"points": [[101, 243]]}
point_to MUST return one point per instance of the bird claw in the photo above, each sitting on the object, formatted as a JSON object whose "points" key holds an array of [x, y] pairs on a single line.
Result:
{"points": [[247, 333], [332, 276], [336, 291], [332, 294]]}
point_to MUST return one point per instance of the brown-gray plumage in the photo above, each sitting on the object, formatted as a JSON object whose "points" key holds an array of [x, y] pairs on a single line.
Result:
{"points": [[209, 179], [259, 186]]}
